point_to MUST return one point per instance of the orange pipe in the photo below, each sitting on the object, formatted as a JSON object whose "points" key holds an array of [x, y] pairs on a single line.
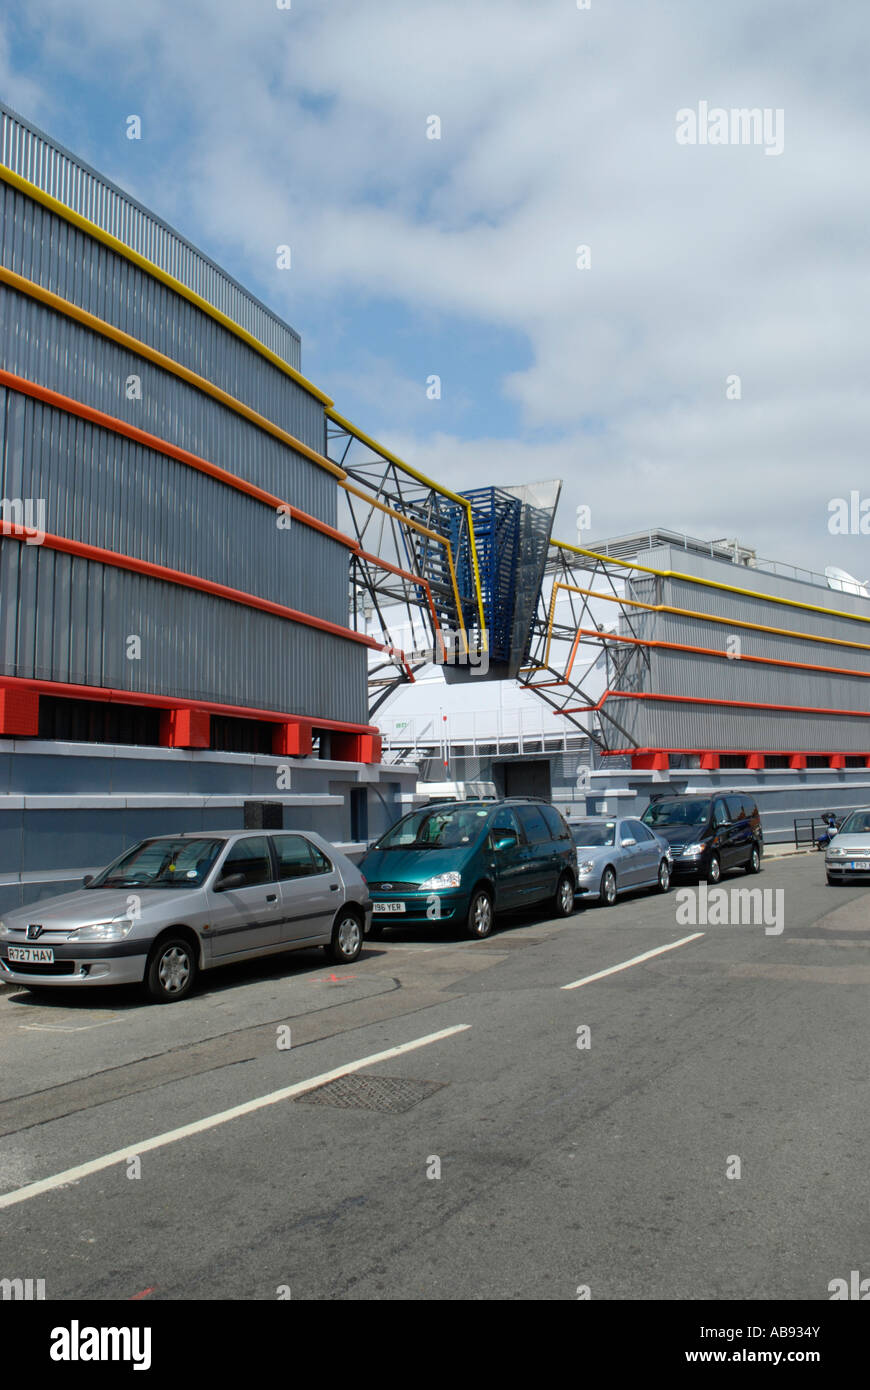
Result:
{"points": [[701, 651], [699, 700], [188, 581], [162, 446]]}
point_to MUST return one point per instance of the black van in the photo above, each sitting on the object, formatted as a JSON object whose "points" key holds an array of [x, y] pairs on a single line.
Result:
{"points": [[709, 834]]}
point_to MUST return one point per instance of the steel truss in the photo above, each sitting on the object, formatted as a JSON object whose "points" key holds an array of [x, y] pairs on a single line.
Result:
{"points": [[414, 582], [564, 625]]}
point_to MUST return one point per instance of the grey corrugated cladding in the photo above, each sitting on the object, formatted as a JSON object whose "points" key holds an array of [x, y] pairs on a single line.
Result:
{"points": [[67, 619], [36, 157], [63, 355], [675, 724], [108, 491], [43, 247]]}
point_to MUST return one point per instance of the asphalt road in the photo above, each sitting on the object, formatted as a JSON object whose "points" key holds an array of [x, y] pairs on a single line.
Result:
{"points": [[561, 1166]]}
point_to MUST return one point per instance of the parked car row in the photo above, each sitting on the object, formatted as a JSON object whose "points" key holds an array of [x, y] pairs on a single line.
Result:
{"points": [[175, 905]]}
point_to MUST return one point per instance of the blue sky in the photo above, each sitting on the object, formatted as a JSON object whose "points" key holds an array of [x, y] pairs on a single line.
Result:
{"points": [[457, 256]]}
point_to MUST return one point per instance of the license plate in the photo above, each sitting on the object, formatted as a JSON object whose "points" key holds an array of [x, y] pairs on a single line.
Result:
{"points": [[389, 907], [860, 864], [35, 955]]}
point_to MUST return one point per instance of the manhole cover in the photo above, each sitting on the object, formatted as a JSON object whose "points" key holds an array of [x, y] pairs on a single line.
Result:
{"points": [[360, 1092]]}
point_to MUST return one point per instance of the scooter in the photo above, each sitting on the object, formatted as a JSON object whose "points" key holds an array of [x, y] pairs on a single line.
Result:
{"points": [[823, 840]]}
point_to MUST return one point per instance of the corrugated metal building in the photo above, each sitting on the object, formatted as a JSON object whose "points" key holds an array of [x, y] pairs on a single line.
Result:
{"points": [[173, 588], [116, 337], [737, 661]]}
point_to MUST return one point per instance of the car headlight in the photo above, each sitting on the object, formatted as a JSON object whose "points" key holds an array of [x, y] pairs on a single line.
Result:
{"points": [[4, 930], [434, 885], [106, 931], [585, 866], [838, 852], [693, 850]]}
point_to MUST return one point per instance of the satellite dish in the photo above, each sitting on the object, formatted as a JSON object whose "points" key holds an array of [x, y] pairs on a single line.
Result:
{"points": [[845, 582]]}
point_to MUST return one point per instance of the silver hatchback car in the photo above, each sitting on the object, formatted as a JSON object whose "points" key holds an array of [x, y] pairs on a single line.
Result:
{"points": [[847, 857], [177, 904]]}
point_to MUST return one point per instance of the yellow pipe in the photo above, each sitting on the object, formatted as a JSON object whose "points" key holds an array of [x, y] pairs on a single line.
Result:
{"points": [[392, 458], [713, 584], [424, 531], [53, 301], [683, 613], [168, 364], [75, 219], [379, 449], [61, 210]]}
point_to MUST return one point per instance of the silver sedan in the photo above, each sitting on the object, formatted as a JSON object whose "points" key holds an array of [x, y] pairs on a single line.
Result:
{"points": [[175, 905], [618, 855], [847, 856]]}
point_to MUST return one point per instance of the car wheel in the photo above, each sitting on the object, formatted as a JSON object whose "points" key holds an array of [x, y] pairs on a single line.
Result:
{"points": [[171, 970], [754, 865], [347, 938], [714, 873], [608, 890], [664, 876], [479, 921], [564, 901]]}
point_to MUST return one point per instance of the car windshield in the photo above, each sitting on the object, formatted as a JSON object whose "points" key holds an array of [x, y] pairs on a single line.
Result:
{"points": [[441, 827], [161, 864], [589, 834], [856, 824], [674, 813]]}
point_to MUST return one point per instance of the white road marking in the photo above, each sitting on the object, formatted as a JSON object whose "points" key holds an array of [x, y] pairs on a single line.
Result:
{"points": [[635, 960], [65, 1027], [96, 1165]]}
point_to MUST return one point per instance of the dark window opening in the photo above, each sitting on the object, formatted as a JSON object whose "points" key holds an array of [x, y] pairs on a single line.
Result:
{"points": [[229, 735], [97, 721]]}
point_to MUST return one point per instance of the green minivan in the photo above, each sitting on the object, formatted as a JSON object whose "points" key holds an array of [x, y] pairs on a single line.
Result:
{"points": [[466, 861]]}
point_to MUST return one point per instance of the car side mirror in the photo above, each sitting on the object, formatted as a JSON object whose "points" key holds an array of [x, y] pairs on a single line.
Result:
{"points": [[88, 878], [230, 881], [504, 839], [626, 844]]}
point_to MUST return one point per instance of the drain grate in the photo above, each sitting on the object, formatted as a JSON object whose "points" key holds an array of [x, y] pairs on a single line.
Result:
{"points": [[357, 1091]]}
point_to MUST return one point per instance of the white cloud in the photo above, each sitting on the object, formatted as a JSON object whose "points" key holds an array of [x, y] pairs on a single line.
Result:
{"points": [[558, 129]]}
